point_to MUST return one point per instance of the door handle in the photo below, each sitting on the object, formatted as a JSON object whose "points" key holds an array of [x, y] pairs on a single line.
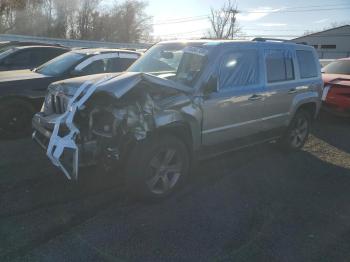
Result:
{"points": [[292, 91], [255, 97]]}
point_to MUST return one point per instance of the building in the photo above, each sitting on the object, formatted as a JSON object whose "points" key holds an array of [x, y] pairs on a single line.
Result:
{"points": [[330, 44]]}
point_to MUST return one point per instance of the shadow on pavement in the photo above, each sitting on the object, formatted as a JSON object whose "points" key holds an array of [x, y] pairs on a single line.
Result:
{"points": [[334, 130]]}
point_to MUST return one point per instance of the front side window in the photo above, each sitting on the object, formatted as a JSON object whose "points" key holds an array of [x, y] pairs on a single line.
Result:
{"points": [[239, 68], [279, 66], [307, 64], [42, 55], [177, 62], [21, 58], [7, 52]]}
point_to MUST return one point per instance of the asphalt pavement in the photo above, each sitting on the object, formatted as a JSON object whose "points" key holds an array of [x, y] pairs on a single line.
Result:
{"points": [[258, 204]]}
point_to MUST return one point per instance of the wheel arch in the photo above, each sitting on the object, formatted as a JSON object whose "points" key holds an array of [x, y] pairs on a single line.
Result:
{"points": [[180, 130], [309, 101], [310, 107]]}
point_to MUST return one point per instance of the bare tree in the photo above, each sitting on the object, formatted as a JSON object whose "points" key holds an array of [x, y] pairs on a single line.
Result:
{"points": [[29, 18], [76, 19], [223, 21], [133, 23], [86, 13], [6, 16], [64, 14]]}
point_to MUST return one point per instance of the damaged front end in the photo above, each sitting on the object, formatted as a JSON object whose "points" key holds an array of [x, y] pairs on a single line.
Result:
{"points": [[104, 118]]}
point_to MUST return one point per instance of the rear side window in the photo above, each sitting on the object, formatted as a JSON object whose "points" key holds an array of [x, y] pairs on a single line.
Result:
{"points": [[21, 58], [239, 68], [51, 53], [119, 64], [96, 67], [307, 64], [279, 66]]}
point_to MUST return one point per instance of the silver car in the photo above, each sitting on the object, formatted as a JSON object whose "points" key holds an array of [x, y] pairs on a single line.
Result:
{"points": [[180, 102]]}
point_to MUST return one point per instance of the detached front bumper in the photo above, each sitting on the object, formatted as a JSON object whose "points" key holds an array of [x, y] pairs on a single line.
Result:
{"points": [[43, 127], [62, 151], [67, 160]]}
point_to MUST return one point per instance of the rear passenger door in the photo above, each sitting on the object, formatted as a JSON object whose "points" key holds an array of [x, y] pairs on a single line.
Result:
{"points": [[235, 111], [281, 87]]}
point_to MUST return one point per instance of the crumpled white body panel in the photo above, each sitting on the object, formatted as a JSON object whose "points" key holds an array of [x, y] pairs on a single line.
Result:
{"points": [[58, 145]]}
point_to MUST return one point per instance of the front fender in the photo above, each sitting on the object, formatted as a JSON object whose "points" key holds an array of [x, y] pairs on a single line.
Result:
{"points": [[189, 116]]}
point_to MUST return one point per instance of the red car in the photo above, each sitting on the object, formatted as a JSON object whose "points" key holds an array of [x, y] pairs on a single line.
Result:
{"points": [[336, 92]]}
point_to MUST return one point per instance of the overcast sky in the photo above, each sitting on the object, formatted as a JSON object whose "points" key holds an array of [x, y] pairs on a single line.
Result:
{"points": [[257, 18]]}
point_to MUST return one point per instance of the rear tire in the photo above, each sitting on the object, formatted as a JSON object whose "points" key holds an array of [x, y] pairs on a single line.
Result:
{"points": [[297, 132], [15, 118], [157, 167]]}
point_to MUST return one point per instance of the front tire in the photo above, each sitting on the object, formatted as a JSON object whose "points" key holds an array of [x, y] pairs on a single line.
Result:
{"points": [[157, 166], [297, 132]]}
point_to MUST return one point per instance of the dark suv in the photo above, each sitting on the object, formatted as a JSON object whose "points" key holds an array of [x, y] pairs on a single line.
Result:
{"points": [[28, 57], [22, 92]]}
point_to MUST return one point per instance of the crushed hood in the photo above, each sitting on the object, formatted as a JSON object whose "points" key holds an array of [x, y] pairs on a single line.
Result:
{"points": [[118, 84]]}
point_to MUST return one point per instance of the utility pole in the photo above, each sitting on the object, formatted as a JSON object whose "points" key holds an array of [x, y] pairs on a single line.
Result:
{"points": [[233, 13]]}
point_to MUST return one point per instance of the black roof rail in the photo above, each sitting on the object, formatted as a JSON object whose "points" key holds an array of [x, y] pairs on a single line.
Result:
{"points": [[263, 39]]}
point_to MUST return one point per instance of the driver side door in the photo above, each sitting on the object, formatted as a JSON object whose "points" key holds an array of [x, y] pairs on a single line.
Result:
{"points": [[235, 110]]}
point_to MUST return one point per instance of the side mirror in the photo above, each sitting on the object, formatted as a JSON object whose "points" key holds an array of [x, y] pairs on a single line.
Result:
{"points": [[211, 86]]}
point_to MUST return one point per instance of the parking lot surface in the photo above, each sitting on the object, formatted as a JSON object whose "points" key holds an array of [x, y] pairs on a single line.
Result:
{"points": [[259, 204]]}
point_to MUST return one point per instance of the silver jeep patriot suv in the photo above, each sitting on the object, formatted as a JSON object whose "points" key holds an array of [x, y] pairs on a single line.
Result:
{"points": [[181, 101]]}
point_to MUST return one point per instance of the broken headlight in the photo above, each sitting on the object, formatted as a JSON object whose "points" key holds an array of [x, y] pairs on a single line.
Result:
{"points": [[103, 123]]}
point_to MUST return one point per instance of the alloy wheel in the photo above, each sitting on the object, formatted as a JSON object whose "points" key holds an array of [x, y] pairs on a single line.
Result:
{"points": [[299, 132], [166, 170]]}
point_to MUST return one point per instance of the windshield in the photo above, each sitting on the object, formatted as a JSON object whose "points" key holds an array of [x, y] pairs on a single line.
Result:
{"points": [[60, 64], [338, 67], [176, 62]]}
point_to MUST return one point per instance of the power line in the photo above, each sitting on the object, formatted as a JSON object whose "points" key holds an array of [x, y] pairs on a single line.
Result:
{"points": [[297, 11], [181, 18], [181, 21], [287, 10]]}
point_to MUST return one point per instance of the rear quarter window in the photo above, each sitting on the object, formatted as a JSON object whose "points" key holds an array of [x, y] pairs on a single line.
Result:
{"points": [[307, 64], [279, 66], [119, 64]]}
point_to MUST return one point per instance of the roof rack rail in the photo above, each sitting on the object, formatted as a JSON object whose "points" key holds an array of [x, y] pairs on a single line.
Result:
{"points": [[263, 39]]}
